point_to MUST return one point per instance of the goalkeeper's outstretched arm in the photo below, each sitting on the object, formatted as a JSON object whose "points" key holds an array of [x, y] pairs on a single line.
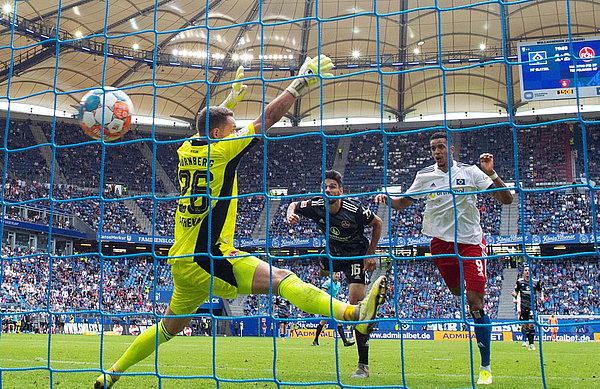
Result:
{"points": [[238, 90], [308, 75]]}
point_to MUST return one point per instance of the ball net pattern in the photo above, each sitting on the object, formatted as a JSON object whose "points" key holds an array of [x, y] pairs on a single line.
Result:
{"points": [[512, 153]]}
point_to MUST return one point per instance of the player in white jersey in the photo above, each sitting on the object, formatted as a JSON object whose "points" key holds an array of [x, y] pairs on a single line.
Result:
{"points": [[440, 219]]}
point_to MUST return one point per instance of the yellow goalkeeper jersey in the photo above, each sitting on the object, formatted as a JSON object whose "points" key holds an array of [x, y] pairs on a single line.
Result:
{"points": [[194, 218]]}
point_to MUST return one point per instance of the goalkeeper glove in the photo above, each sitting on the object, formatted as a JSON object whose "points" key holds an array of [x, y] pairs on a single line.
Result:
{"points": [[238, 90], [311, 67]]}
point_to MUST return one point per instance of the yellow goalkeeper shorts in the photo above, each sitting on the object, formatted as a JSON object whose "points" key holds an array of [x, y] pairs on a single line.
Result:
{"points": [[191, 280]]}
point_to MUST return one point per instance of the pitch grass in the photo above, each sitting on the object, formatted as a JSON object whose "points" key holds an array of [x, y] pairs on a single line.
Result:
{"points": [[427, 364]]}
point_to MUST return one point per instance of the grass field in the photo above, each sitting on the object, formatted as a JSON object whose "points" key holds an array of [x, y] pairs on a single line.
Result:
{"points": [[427, 364]]}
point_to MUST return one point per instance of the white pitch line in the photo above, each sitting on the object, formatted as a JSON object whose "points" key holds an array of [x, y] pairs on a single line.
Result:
{"points": [[283, 371]]}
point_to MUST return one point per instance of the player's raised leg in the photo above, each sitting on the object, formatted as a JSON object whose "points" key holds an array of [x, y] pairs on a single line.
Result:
{"points": [[313, 300]]}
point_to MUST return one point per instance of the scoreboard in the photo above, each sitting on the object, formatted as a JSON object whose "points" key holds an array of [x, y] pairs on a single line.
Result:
{"points": [[560, 69]]}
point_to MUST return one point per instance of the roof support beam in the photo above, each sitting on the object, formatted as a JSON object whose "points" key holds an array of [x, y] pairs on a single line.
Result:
{"points": [[140, 12], [166, 41], [512, 104], [42, 18], [402, 58], [63, 9], [245, 28], [306, 26], [22, 61]]}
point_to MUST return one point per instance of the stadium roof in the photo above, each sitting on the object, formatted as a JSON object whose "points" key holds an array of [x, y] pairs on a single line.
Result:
{"points": [[162, 52]]}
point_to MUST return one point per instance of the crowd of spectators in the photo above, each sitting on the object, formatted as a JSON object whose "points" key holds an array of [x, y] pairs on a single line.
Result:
{"points": [[592, 145], [115, 215], [495, 140], [166, 154], [32, 281], [279, 226], [82, 203], [299, 170], [409, 221], [556, 213], [249, 210], [570, 286], [38, 215], [37, 212], [24, 161], [536, 168], [164, 218], [406, 154], [490, 214], [81, 158], [550, 167]]}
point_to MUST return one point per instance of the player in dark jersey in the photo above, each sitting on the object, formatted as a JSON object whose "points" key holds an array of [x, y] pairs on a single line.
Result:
{"points": [[522, 295], [346, 226], [281, 309], [205, 223]]}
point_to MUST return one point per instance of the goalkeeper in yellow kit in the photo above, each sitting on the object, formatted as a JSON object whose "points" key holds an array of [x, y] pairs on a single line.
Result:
{"points": [[207, 172]]}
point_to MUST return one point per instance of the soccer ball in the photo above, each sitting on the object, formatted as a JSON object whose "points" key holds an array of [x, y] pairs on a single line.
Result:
{"points": [[113, 109]]}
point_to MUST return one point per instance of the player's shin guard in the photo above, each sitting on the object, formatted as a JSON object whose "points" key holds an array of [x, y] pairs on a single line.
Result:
{"points": [[484, 335], [143, 346], [311, 299], [362, 344]]}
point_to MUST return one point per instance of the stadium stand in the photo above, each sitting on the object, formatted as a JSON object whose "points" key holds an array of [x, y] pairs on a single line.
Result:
{"points": [[76, 282], [556, 213], [123, 162], [570, 287], [164, 219], [299, 172], [24, 162], [406, 155]]}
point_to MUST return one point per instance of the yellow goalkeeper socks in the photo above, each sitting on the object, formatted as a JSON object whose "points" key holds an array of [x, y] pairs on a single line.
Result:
{"points": [[142, 346], [311, 299]]}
